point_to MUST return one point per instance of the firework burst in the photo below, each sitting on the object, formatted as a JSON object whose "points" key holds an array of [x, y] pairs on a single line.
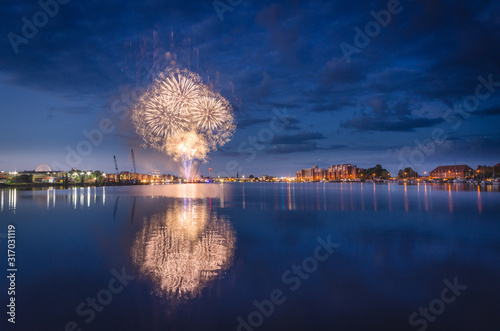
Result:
{"points": [[181, 88], [210, 111], [179, 115]]}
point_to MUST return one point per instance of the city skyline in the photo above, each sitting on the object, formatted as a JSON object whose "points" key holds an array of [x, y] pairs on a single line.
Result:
{"points": [[310, 83], [348, 171]]}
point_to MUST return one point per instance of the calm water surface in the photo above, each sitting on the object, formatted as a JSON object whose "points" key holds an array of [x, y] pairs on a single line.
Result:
{"points": [[204, 256]]}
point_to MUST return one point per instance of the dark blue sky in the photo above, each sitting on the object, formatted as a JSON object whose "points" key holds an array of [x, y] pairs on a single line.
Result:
{"points": [[422, 76]]}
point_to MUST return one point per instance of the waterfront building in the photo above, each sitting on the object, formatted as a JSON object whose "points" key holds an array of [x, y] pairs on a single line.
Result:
{"points": [[313, 174], [342, 172], [452, 171], [44, 176]]}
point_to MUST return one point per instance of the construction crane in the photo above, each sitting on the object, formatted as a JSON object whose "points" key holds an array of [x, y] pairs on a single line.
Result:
{"points": [[116, 167], [133, 161]]}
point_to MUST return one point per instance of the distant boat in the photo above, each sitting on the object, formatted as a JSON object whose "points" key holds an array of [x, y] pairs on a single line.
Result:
{"points": [[459, 180]]}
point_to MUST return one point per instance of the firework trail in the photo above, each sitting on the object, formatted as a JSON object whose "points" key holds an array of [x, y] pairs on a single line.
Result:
{"points": [[179, 115]]}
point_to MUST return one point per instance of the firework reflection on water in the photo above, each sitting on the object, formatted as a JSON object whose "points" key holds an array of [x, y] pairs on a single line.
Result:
{"points": [[183, 249]]}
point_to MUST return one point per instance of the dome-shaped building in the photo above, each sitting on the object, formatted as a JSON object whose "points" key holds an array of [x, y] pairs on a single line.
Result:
{"points": [[43, 168]]}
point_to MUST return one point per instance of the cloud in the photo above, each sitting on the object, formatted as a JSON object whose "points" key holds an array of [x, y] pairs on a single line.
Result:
{"points": [[292, 124], [73, 110], [404, 124], [297, 139], [386, 116], [339, 71], [292, 148], [493, 111], [301, 147], [248, 122], [301, 142], [332, 106], [278, 20]]}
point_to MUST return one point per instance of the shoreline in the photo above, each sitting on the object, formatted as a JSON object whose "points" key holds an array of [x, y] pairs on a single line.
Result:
{"points": [[79, 185], [63, 186]]}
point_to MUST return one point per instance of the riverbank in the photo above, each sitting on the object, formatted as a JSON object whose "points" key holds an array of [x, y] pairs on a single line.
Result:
{"points": [[62, 186]]}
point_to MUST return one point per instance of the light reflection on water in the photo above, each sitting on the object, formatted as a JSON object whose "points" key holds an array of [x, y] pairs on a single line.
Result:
{"points": [[426, 200], [398, 243], [183, 249], [287, 196], [479, 202], [323, 196], [12, 200], [450, 199], [354, 196]]}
